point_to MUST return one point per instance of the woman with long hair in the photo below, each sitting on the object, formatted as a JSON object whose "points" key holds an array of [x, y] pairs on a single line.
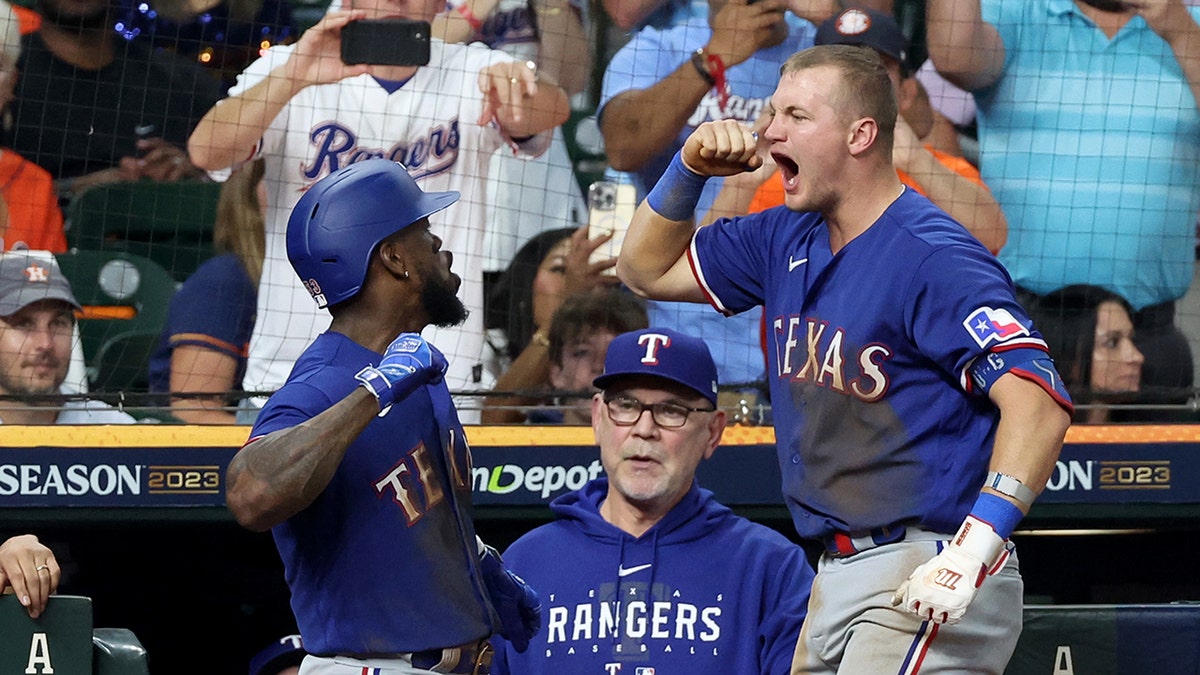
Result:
{"points": [[1089, 331], [201, 356], [548, 269]]}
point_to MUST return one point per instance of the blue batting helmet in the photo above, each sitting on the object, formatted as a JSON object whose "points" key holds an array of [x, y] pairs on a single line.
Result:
{"points": [[340, 220]]}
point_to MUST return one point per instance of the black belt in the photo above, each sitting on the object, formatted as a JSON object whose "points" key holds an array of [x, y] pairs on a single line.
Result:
{"points": [[470, 659]]}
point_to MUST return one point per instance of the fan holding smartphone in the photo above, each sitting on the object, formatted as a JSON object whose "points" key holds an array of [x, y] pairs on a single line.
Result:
{"points": [[307, 113], [527, 197]]}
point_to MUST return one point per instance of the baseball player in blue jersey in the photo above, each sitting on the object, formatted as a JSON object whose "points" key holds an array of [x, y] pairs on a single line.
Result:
{"points": [[358, 464], [917, 413]]}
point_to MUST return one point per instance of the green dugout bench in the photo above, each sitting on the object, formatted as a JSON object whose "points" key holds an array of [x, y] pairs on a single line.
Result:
{"points": [[1160, 639], [62, 641]]}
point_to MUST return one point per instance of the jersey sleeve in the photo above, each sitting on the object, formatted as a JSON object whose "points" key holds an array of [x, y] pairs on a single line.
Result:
{"points": [[214, 309], [962, 305], [729, 262], [258, 69], [293, 404]]}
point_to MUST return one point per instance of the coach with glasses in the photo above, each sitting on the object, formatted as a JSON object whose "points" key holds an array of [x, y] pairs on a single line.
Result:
{"points": [[642, 570]]}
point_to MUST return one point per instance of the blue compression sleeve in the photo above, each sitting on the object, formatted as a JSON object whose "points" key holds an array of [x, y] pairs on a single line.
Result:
{"points": [[676, 193]]}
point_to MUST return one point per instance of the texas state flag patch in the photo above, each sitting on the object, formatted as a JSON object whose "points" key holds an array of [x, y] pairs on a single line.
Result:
{"points": [[988, 325]]}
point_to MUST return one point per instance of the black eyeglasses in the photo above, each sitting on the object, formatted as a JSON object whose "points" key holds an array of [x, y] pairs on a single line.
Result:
{"points": [[625, 411]]}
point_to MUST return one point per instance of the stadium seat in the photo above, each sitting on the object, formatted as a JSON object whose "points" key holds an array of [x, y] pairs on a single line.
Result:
{"points": [[61, 636], [63, 641], [125, 299], [308, 12], [117, 651], [170, 223], [585, 147]]}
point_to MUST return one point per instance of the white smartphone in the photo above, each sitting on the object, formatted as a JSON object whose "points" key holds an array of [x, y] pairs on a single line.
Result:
{"points": [[610, 209]]}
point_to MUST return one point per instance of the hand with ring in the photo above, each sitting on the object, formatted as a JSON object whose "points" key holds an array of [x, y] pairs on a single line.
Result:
{"points": [[29, 570], [505, 86]]}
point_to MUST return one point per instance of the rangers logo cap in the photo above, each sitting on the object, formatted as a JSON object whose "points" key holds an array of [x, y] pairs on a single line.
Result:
{"points": [[29, 276], [661, 352], [283, 653], [865, 27]]}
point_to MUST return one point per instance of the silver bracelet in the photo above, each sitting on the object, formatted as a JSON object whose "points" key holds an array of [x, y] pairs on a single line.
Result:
{"points": [[1010, 487]]}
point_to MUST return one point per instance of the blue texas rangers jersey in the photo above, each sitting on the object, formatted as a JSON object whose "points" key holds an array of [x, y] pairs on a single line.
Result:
{"points": [[868, 352], [703, 592], [384, 561]]}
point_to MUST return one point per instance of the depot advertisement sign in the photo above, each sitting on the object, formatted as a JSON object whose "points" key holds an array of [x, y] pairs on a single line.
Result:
{"points": [[182, 466]]}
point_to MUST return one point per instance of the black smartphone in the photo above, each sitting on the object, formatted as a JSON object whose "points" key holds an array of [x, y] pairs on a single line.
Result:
{"points": [[386, 42]]}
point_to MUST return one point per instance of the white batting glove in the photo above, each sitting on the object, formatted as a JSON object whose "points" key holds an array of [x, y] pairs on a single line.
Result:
{"points": [[941, 589]]}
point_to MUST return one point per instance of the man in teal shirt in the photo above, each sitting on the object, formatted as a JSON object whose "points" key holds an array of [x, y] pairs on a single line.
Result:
{"points": [[1090, 140]]}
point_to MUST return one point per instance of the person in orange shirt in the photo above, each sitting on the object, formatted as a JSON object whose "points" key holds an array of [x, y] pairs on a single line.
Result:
{"points": [[946, 179], [34, 218]]}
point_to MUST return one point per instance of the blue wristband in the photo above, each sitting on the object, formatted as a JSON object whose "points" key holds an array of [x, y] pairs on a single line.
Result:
{"points": [[677, 192], [998, 512]]}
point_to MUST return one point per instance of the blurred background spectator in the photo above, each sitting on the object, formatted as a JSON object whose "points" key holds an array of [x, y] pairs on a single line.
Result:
{"points": [[203, 346], [222, 36], [33, 217], [331, 117], [521, 299], [1089, 137], [93, 108], [548, 269], [579, 336], [1089, 331], [37, 322], [527, 195]]}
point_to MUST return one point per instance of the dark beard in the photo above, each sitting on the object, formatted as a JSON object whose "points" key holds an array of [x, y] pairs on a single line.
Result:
{"points": [[442, 305], [92, 21], [1114, 6]]}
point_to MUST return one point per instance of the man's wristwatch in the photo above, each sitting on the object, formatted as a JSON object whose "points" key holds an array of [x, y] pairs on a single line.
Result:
{"points": [[698, 60]]}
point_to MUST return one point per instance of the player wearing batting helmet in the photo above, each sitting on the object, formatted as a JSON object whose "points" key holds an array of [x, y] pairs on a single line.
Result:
{"points": [[359, 465], [917, 412]]}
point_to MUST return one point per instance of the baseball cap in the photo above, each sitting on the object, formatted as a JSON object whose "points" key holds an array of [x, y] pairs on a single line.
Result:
{"points": [[866, 27], [284, 652], [661, 352], [29, 276]]}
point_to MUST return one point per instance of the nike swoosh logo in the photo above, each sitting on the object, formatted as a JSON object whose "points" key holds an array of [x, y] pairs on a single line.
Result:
{"points": [[623, 571], [143, 129], [793, 264]]}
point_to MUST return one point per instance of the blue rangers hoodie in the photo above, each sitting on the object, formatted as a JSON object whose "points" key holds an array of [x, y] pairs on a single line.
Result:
{"points": [[703, 591]]}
